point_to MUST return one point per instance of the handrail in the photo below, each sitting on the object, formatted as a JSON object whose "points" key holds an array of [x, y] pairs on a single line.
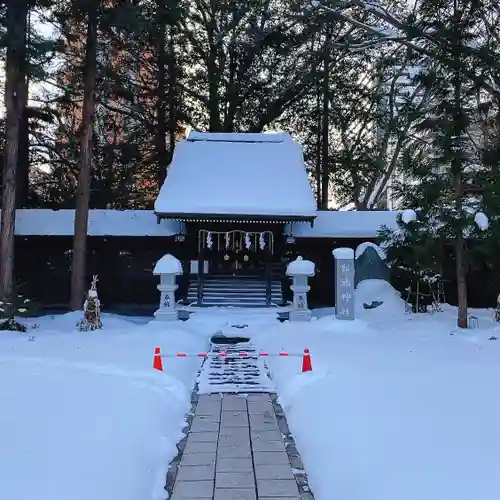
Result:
{"points": [[268, 283], [201, 273]]}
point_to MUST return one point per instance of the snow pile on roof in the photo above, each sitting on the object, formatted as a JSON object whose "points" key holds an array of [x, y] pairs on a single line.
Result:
{"points": [[43, 222], [482, 221], [368, 244], [168, 264], [240, 174], [300, 267], [343, 253], [345, 224], [408, 216]]}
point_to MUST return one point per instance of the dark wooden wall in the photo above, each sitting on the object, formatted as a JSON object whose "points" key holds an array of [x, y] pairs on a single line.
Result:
{"points": [[126, 281], [124, 265]]}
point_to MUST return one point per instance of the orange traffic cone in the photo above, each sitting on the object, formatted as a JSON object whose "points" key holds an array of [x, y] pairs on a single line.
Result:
{"points": [[157, 362], [306, 362]]}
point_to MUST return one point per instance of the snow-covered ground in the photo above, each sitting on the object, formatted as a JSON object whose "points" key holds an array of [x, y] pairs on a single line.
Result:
{"points": [[398, 406], [84, 416]]}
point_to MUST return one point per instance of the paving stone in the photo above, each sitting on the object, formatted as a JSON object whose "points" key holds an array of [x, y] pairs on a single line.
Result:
{"points": [[242, 439], [260, 445], [202, 398], [208, 417], [256, 407], [232, 403], [234, 480], [201, 425], [234, 465], [276, 471], [196, 473], [235, 494], [259, 423], [234, 419], [211, 408], [277, 488], [203, 437], [197, 447], [198, 459], [234, 431], [194, 489], [258, 397], [265, 435], [283, 426], [296, 462], [234, 451], [180, 496], [267, 416], [270, 458]]}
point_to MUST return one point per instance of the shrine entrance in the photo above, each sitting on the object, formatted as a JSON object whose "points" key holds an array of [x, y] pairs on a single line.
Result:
{"points": [[236, 252]]}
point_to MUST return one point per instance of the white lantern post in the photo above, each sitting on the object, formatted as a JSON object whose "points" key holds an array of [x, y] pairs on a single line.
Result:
{"points": [[300, 270], [168, 267]]}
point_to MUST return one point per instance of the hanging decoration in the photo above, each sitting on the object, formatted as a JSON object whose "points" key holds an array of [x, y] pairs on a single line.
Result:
{"points": [[226, 257], [227, 241], [209, 240], [246, 258], [262, 241], [248, 242]]}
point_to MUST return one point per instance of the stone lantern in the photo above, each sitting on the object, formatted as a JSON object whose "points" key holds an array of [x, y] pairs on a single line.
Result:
{"points": [[300, 270], [168, 267]]}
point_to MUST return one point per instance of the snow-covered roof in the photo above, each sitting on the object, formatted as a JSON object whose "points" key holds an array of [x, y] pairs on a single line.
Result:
{"points": [[345, 224], [168, 264], [43, 222], [239, 174]]}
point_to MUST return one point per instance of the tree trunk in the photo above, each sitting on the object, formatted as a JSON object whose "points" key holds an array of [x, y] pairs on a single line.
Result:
{"points": [[78, 267], [325, 128], [317, 170], [461, 283], [15, 73], [172, 92], [161, 130]]}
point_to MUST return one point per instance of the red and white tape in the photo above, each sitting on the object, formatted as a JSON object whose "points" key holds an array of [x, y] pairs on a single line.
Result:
{"points": [[226, 355]]}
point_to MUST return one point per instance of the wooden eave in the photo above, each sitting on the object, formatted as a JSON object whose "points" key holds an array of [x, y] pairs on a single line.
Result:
{"points": [[276, 219]]}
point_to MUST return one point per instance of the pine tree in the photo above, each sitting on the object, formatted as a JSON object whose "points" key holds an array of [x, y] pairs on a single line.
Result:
{"points": [[444, 181]]}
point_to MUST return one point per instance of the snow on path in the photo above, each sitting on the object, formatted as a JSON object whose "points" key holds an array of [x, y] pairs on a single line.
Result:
{"points": [[234, 374]]}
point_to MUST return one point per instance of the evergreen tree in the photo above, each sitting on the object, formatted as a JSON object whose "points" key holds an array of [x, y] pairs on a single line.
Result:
{"points": [[443, 183]]}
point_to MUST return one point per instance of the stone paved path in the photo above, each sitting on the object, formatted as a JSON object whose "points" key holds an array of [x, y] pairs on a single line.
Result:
{"points": [[235, 451]]}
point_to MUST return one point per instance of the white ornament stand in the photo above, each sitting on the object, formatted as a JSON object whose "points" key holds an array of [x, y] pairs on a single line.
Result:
{"points": [[168, 267], [300, 270]]}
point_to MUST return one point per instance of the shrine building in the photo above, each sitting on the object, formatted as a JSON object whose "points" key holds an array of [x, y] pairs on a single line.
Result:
{"points": [[234, 208]]}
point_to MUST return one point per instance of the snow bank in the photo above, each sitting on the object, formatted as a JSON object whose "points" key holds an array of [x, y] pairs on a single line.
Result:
{"points": [[84, 414], [300, 267], [367, 244], [168, 264], [397, 408], [376, 290]]}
